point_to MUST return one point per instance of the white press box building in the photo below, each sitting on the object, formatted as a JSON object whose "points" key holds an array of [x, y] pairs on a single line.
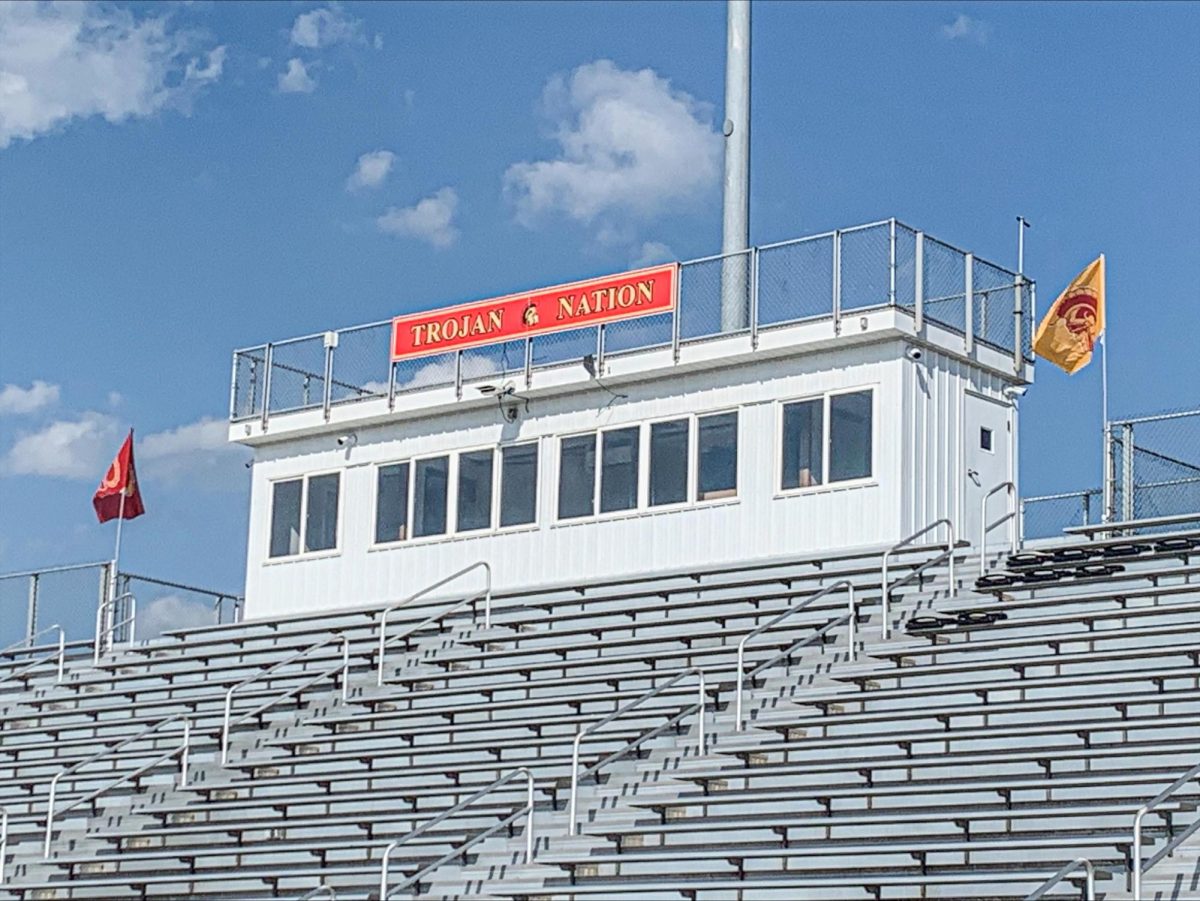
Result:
{"points": [[832, 392]]}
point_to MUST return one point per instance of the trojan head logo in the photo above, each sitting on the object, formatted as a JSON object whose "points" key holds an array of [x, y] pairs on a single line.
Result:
{"points": [[1079, 313], [112, 478], [530, 316]]}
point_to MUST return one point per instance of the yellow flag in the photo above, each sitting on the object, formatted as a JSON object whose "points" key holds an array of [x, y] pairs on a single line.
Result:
{"points": [[1074, 322]]}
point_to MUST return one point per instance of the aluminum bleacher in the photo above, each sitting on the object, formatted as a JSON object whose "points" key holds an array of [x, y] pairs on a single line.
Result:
{"points": [[1010, 724]]}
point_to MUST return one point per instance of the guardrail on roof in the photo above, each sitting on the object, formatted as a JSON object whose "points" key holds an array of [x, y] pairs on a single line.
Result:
{"points": [[879, 265]]}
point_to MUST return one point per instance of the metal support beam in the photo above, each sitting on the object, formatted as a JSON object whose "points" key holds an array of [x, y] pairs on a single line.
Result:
{"points": [[735, 275]]}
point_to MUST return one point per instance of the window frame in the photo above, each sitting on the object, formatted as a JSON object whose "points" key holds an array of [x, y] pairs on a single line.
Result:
{"points": [[691, 463], [694, 481], [826, 451], [302, 554], [497, 482]]}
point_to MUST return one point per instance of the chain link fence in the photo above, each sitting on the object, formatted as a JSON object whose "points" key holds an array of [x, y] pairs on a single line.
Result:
{"points": [[866, 267], [1156, 465], [1047, 515]]}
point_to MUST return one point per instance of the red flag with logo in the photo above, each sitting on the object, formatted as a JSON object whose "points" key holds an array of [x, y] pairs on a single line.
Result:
{"points": [[119, 483]]}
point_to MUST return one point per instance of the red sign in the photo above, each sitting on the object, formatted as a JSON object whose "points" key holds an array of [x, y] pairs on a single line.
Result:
{"points": [[643, 292]]}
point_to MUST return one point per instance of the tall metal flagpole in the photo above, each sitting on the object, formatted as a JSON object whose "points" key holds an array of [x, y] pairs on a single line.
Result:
{"points": [[1109, 493], [116, 569]]}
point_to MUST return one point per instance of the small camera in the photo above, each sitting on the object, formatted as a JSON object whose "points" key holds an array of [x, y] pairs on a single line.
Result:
{"points": [[348, 440], [914, 353]]}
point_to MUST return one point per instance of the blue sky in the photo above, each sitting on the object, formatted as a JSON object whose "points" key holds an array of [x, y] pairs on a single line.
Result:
{"points": [[180, 180]]}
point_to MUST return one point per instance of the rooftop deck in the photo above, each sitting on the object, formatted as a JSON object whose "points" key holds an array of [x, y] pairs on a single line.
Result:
{"points": [[880, 265]]}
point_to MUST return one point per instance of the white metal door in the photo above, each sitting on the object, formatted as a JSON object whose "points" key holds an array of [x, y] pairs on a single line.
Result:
{"points": [[987, 444]]}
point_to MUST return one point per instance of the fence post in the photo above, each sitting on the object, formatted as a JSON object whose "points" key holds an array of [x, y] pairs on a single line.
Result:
{"points": [[1018, 323], [919, 280], [675, 317], [891, 262], [331, 343], [458, 375], [754, 298], [837, 282], [30, 618], [391, 385], [969, 305], [267, 365], [1110, 477], [600, 349], [529, 362], [233, 379], [1127, 486]]}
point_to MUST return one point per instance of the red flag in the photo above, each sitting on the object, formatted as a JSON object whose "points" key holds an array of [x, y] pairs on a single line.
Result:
{"points": [[119, 482]]}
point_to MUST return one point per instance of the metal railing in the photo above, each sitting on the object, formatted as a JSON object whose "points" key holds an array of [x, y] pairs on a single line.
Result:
{"points": [[1089, 890], [61, 589], [1135, 863], [1152, 467], [701, 741], [59, 653], [107, 626], [985, 527], [181, 750], [3, 841], [948, 554], [150, 589], [1047, 515], [321, 891], [385, 892], [795, 608], [880, 265], [343, 666], [485, 595]]}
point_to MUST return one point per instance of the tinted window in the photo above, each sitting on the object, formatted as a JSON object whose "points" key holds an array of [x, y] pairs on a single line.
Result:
{"points": [[320, 523], [285, 518], [850, 436], [619, 469], [577, 477], [391, 503], [518, 484], [430, 479], [803, 436], [716, 437], [668, 462], [474, 490]]}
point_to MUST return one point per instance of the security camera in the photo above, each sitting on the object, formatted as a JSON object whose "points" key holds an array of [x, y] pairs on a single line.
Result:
{"points": [[348, 440], [914, 353], [1014, 391]]}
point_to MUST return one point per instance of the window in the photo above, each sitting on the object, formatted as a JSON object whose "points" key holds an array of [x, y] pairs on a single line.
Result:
{"points": [[391, 503], [320, 523], [716, 438], [619, 469], [669, 445], [313, 502], [577, 476], [850, 436], [474, 491], [518, 484], [803, 438], [285, 518], [985, 439], [827, 439], [430, 480]]}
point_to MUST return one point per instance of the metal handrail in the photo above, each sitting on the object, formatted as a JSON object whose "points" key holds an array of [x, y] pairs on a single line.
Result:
{"points": [[343, 666], [182, 750], [985, 526], [701, 744], [951, 545], [323, 888], [1176, 519], [3, 841], [385, 892], [32, 665], [1136, 862], [1068, 869], [486, 594], [105, 630], [795, 608]]}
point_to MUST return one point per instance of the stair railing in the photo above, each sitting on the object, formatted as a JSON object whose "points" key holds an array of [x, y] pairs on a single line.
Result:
{"points": [[951, 545], [485, 594], [1135, 867], [985, 527], [105, 629], [527, 809], [323, 890], [60, 653], [701, 742], [1089, 889], [3, 841], [795, 608], [343, 667], [181, 750]]}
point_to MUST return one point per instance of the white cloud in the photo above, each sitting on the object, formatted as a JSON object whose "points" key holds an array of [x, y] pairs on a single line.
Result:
{"points": [[66, 61], [115, 399], [966, 28], [432, 219], [198, 451], [74, 449], [372, 169], [324, 27], [173, 612], [653, 252], [296, 79], [631, 147], [16, 400]]}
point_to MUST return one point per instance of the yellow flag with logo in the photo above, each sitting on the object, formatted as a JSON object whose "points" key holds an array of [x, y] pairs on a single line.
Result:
{"points": [[1074, 322]]}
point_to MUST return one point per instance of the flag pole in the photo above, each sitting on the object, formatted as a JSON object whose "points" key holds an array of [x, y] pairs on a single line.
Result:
{"points": [[116, 569], [1109, 494]]}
